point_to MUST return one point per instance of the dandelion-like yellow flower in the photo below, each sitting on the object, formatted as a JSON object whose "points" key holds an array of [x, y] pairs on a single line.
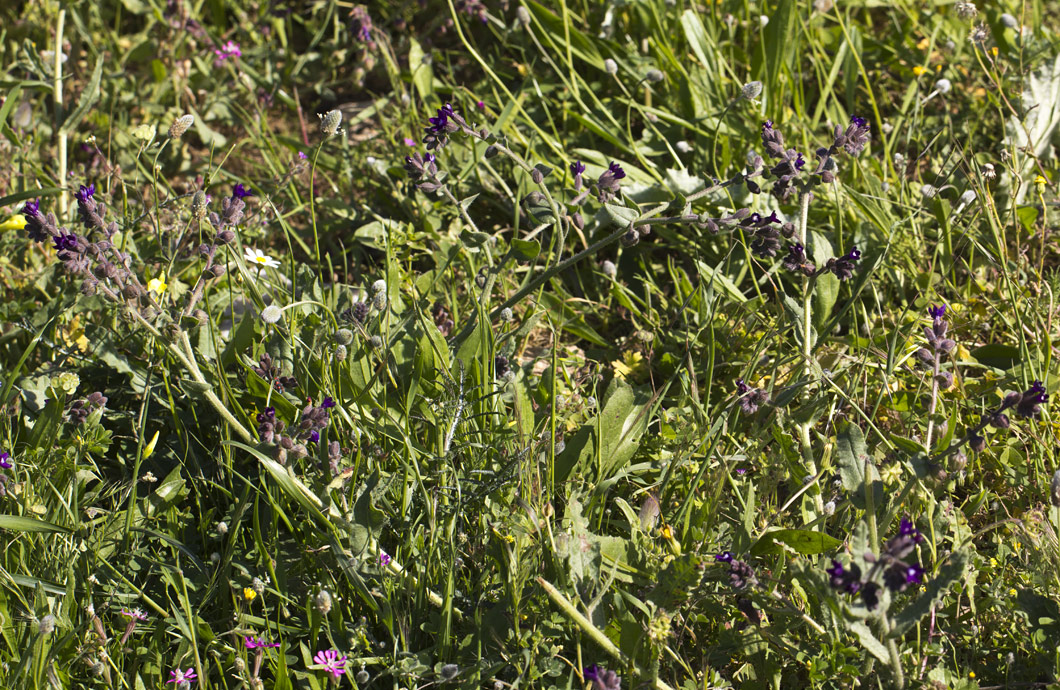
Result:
{"points": [[249, 594], [994, 51], [157, 285], [15, 222], [918, 70], [1012, 592], [1040, 179]]}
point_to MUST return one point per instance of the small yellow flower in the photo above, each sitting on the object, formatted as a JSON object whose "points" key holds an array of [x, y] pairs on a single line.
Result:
{"points": [[157, 285], [993, 562], [918, 70], [971, 674], [994, 51], [249, 594], [1040, 180], [665, 532], [15, 222], [1018, 546], [1012, 592]]}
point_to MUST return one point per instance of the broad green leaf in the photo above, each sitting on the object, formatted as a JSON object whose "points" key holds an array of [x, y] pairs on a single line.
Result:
{"points": [[869, 641], [622, 216], [936, 587], [853, 460], [806, 542]]}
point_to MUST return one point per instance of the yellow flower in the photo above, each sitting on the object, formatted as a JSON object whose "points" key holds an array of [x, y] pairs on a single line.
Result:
{"points": [[918, 70], [15, 222], [665, 532], [993, 562], [1012, 592], [157, 285], [971, 674], [249, 594], [1040, 179], [994, 51]]}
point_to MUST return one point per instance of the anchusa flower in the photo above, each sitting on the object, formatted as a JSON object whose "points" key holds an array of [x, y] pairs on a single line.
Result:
{"points": [[741, 575], [1027, 404], [444, 123], [607, 186], [89, 210], [268, 425], [765, 233], [892, 567], [750, 398], [384, 558], [38, 227], [501, 366], [796, 260], [576, 169], [789, 161], [601, 679], [332, 662], [314, 419], [843, 267], [81, 409]]}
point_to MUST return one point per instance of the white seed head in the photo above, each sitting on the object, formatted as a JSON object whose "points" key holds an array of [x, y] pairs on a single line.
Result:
{"points": [[507, 315], [967, 10], [47, 625], [330, 123], [829, 508], [763, 20], [654, 76], [378, 286], [928, 191], [222, 528], [943, 86], [323, 601], [271, 314], [751, 90], [523, 15], [683, 146], [988, 171], [609, 269], [610, 66]]}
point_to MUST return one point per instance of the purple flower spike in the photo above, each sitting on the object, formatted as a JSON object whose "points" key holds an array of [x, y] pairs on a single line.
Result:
{"points": [[68, 242], [328, 403], [31, 208], [937, 312], [85, 193]]}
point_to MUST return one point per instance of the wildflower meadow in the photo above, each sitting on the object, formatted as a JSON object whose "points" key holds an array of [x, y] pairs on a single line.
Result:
{"points": [[514, 344]]}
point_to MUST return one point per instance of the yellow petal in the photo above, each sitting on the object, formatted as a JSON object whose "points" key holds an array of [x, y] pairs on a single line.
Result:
{"points": [[15, 222]]}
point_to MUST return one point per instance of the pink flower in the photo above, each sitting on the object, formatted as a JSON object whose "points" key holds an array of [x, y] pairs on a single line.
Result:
{"points": [[301, 155], [134, 614], [258, 643], [410, 142], [384, 558], [332, 662], [228, 50], [179, 676], [481, 105]]}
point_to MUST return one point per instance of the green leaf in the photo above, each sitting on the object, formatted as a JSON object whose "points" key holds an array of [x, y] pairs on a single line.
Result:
{"points": [[869, 641], [806, 542], [20, 523], [997, 356], [623, 421], [622, 216], [853, 460], [368, 520], [88, 98], [948, 575], [526, 250], [422, 76]]}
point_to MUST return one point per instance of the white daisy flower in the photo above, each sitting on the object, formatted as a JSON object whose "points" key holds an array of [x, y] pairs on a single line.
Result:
{"points": [[259, 258]]}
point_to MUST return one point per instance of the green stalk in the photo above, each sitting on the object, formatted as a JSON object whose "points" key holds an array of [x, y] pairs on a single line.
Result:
{"points": [[57, 96], [805, 443]]}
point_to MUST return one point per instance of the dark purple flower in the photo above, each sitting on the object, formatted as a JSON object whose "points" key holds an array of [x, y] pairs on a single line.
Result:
{"points": [[907, 529], [843, 579], [843, 267], [724, 557], [859, 121], [870, 594], [314, 436], [577, 168], [67, 242], [241, 192], [767, 125], [799, 162], [328, 403], [937, 312], [31, 208], [85, 193], [1031, 400], [4, 461], [616, 170], [591, 673], [607, 186]]}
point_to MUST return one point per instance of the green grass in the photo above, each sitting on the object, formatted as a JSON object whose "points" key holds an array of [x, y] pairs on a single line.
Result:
{"points": [[537, 447]]}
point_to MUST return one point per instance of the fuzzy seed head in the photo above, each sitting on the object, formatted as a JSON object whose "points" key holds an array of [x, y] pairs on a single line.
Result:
{"points": [[271, 314], [751, 90], [181, 125], [610, 66], [330, 123]]}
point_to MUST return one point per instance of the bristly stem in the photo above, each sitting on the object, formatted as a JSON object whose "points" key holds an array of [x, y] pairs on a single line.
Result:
{"points": [[805, 443], [57, 95]]}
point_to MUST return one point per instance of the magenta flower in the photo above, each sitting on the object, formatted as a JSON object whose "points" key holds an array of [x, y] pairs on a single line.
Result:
{"points": [[228, 50], [302, 156], [258, 643], [481, 105], [179, 676], [409, 141], [134, 614], [332, 662], [384, 558]]}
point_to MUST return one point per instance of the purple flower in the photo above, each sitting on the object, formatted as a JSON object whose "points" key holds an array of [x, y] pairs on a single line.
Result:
{"points": [[4, 463], [577, 168], [328, 403], [314, 436], [1031, 400], [440, 122], [870, 594], [68, 242], [481, 105], [85, 193], [241, 192], [591, 673], [301, 155], [767, 125], [332, 662], [799, 162], [258, 643], [410, 141], [31, 208], [937, 312], [844, 580], [907, 529], [859, 121], [179, 676], [724, 557], [616, 170], [228, 50], [384, 558]]}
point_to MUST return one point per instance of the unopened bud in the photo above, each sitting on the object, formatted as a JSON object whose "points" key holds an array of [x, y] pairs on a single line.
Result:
{"points": [[523, 15], [323, 601]]}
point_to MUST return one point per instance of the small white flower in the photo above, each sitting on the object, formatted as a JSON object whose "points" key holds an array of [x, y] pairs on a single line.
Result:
{"points": [[271, 314], [943, 86], [683, 146], [260, 258], [763, 20]]}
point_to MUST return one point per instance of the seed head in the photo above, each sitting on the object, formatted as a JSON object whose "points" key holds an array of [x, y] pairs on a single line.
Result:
{"points": [[610, 66], [523, 15], [330, 123], [967, 10], [181, 125], [943, 86], [378, 286], [654, 76], [271, 314], [199, 202], [323, 601], [751, 90]]}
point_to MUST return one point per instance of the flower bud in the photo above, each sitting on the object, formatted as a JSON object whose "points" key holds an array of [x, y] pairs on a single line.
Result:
{"points": [[536, 176], [323, 601], [523, 15], [343, 336], [609, 269], [340, 353], [271, 314]]}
